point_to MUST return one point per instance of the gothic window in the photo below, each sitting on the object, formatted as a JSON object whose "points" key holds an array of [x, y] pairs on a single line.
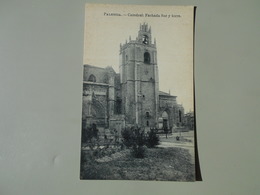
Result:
{"points": [[147, 58], [145, 39], [147, 123], [147, 114], [165, 115], [92, 78], [97, 109]]}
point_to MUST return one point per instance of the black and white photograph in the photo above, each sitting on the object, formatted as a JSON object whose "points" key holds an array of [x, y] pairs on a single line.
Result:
{"points": [[137, 103], [119, 97]]}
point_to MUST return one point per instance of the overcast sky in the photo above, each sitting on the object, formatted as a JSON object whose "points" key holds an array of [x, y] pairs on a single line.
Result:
{"points": [[174, 39]]}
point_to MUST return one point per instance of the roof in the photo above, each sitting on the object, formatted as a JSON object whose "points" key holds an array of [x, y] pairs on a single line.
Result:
{"points": [[110, 69], [107, 69], [165, 94]]}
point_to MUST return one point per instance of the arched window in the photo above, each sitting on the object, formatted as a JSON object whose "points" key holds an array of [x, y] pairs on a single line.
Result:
{"points": [[147, 123], [147, 114], [165, 115], [147, 58], [145, 39], [126, 58], [92, 78]]}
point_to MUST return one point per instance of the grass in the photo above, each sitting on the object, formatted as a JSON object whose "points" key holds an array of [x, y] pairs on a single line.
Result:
{"points": [[163, 164]]}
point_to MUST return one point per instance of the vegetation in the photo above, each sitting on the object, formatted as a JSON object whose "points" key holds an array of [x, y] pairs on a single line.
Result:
{"points": [[136, 157], [89, 133], [152, 139], [163, 164], [136, 139]]}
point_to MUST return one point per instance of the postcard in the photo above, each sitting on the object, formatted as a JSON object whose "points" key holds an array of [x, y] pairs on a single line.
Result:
{"points": [[137, 93]]}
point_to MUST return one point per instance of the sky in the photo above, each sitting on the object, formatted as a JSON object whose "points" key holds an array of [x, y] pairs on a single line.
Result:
{"points": [[106, 26]]}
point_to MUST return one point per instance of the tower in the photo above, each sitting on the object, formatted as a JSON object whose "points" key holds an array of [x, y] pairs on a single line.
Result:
{"points": [[139, 79]]}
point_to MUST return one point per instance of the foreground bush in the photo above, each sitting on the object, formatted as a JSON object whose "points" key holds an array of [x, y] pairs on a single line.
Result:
{"points": [[138, 151], [89, 132], [152, 139], [136, 139], [128, 137]]}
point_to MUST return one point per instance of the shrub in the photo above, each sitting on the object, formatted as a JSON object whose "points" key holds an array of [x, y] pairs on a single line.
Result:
{"points": [[133, 136], [138, 151], [140, 138], [152, 139], [135, 139], [128, 137], [88, 133]]}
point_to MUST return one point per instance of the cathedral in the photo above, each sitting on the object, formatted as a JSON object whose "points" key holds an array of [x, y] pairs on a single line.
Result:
{"points": [[132, 96]]}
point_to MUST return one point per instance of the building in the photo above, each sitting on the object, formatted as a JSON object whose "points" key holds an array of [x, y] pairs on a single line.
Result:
{"points": [[130, 97], [189, 120]]}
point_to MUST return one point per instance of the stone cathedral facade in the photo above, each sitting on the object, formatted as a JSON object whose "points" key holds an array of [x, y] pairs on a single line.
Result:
{"points": [[132, 96]]}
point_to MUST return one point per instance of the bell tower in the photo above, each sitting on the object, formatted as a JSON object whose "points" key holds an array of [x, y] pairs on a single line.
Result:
{"points": [[139, 79]]}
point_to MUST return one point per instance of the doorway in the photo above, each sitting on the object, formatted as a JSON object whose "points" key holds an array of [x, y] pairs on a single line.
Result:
{"points": [[165, 124], [165, 120]]}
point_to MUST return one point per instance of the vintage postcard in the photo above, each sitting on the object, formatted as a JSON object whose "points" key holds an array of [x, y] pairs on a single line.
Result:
{"points": [[138, 98]]}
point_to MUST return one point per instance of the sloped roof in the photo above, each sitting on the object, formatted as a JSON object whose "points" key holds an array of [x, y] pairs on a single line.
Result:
{"points": [[107, 69], [110, 69], [165, 94], [91, 66]]}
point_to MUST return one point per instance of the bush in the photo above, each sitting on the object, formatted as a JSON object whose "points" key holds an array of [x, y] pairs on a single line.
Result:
{"points": [[138, 151], [152, 139], [128, 137], [136, 139], [88, 133], [139, 137], [133, 136]]}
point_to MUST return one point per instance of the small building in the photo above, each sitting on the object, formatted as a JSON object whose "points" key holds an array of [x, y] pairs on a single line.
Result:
{"points": [[189, 120]]}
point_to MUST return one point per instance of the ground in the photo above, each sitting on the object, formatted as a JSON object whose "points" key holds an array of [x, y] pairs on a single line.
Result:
{"points": [[186, 141], [172, 160]]}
